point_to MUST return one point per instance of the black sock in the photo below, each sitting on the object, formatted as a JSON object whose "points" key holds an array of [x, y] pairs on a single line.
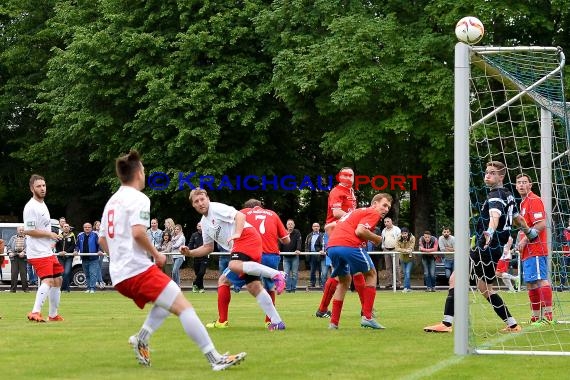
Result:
{"points": [[499, 306], [449, 303]]}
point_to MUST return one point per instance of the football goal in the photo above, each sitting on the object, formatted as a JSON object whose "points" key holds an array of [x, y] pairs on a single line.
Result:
{"points": [[510, 107]]}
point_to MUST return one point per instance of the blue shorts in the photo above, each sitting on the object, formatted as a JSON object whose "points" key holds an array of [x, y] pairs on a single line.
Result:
{"points": [[235, 279], [270, 260], [535, 268], [349, 260]]}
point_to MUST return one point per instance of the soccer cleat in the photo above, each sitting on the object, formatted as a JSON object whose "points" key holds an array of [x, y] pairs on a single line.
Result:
{"points": [[218, 325], [371, 324], [373, 313], [510, 329], [194, 289], [280, 280], [332, 326], [201, 291], [439, 328], [517, 283], [534, 318], [323, 314], [35, 317], [228, 360], [276, 326], [57, 318], [543, 322], [141, 349]]}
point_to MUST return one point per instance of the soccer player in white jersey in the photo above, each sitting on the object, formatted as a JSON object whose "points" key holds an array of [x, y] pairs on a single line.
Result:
{"points": [[228, 227], [39, 241], [123, 234]]}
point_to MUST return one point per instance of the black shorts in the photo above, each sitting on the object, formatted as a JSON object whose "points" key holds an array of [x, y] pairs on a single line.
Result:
{"points": [[484, 262], [243, 257]]}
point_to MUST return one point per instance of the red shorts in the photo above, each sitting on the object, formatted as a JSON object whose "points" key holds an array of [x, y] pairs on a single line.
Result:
{"points": [[145, 287], [47, 267], [502, 266]]}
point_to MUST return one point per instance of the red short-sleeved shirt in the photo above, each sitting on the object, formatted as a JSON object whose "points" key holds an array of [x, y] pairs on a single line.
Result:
{"points": [[341, 197], [532, 209], [269, 226], [344, 234]]}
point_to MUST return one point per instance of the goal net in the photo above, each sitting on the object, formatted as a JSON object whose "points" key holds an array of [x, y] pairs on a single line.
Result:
{"points": [[510, 107]]}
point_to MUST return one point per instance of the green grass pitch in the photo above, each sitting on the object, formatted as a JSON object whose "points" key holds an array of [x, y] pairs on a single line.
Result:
{"points": [[92, 342]]}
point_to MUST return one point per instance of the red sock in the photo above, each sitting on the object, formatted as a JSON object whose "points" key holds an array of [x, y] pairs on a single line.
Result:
{"points": [[534, 297], [359, 285], [545, 296], [272, 295], [328, 292], [224, 297], [368, 304], [336, 310]]}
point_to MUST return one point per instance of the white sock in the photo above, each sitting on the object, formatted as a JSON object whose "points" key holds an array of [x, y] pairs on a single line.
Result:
{"points": [[508, 283], [264, 300], [197, 332], [41, 295], [153, 321], [54, 297], [257, 269]]}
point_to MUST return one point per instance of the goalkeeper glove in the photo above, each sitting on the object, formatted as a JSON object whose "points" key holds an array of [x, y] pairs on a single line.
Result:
{"points": [[531, 234]]}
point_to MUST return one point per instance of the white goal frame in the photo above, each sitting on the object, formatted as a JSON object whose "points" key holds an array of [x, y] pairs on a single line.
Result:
{"points": [[462, 120]]}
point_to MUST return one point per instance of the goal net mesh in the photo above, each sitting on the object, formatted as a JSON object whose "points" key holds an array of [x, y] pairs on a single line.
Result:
{"points": [[508, 90]]}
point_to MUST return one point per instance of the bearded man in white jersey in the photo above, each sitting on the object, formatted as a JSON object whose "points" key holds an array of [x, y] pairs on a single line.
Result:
{"points": [[39, 241], [123, 234]]}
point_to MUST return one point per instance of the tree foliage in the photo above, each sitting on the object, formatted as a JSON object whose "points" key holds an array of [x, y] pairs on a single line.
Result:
{"points": [[238, 88]]}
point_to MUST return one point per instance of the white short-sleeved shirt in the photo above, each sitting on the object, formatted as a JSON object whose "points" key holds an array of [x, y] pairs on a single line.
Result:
{"points": [[36, 217], [218, 225], [128, 207]]}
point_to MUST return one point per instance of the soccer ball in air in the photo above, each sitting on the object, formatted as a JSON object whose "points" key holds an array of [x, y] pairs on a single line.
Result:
{"points": [[469, 30]]}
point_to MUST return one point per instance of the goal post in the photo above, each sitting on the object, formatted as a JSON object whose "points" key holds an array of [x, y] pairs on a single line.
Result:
{"points": [[510, 106]]}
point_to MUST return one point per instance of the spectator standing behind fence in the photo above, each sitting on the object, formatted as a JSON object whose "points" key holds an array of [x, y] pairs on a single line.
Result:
{"points": [[314, 243], [169, 226], [100, 283], [166, 248], [446, 243], [200, 264], [18, 260], [390, 235], [154, 234], [405, 244], [428, 244], [291, 262], [64, 248], [178, 240], [88, 245]]}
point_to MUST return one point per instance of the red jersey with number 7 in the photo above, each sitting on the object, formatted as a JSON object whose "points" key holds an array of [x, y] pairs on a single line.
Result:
{"points": [[269, 226]]}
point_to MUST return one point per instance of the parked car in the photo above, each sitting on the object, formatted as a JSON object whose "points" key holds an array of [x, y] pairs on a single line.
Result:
{"points": [[7, 230]]}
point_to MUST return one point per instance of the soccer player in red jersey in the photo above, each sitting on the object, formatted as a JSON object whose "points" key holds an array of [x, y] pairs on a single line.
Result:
{"points": [[226, 226], [272, 231], [341, 201], [502, 269], [347, 250], [534, 254]]}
